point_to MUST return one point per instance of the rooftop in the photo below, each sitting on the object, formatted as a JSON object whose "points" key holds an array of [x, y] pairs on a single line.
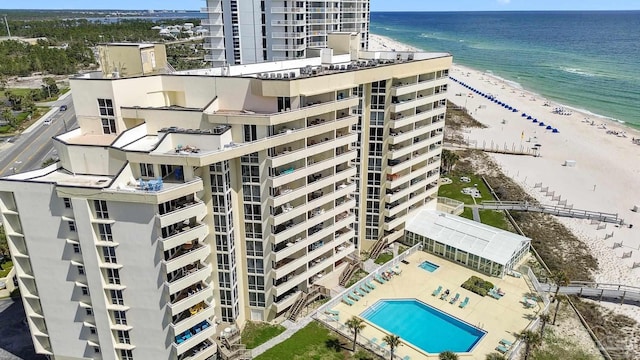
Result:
{"points": [[467, 235]]}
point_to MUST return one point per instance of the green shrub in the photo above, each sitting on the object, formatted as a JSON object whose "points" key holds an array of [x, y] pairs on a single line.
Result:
{"points": [[477, 285]]}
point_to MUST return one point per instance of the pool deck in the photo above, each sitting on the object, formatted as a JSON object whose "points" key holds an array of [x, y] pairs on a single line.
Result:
{"points": [[501, 319]]}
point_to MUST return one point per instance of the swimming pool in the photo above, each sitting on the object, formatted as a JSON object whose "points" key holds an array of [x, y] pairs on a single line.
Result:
{"points": [[429, 266], [423, 326]]}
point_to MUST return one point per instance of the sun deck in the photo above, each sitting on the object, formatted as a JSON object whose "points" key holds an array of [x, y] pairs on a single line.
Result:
{"points": [[501, 319]]}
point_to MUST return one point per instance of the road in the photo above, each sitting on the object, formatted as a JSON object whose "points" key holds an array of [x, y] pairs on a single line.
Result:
{"points": [[15, 341], [30, 150]]}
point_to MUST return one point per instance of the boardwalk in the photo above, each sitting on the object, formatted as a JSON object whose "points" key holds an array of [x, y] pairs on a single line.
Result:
{"points": [[552, 210], [622, 294]]}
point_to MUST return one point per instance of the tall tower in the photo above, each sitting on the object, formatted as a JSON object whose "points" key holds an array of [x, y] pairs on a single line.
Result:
{"points": [[245, 32]]}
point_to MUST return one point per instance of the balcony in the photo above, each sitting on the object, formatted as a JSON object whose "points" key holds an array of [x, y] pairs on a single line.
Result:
{"points": [[211, 10], [287, 301], [289, 265], [288, 22], [289, 247], [189, 297], [289, 47], [399, 193], [187, 254], [212, 22], [194, 336], [192, 317], [182, 210], [288, 195], [288, 10], [188, 276], [202, 351], [183, 235]]}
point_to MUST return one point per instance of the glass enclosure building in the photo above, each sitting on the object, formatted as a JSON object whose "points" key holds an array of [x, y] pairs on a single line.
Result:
{"points": [[481, 247]]}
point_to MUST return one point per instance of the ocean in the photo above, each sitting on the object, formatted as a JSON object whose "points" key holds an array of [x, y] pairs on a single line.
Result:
{"points": [[584, 60]]}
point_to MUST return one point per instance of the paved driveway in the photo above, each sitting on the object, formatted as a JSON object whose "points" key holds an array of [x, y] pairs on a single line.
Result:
{"points": [[15, 341]]}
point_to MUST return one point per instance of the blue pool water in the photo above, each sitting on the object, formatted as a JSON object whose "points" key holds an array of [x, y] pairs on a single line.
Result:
{"points": [[429, 266], [423, 326]]}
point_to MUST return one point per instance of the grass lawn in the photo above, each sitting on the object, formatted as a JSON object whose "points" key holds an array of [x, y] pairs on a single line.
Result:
{"points": [[359, 275], [383, 258], [6, 267], [454, 190], [556, 347], [19, 91], [494, 218], [256, 333], [311, 342]]}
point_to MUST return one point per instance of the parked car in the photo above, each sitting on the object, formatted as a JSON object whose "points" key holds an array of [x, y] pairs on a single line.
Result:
{"points": [[47, 122], [63, 107]]}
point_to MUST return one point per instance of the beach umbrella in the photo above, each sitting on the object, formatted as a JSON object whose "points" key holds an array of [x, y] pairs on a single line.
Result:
{"points": [[529, 117], [514, 110], [549, 127], [535, 120], [541, 124], [555, 131], [523, 114]]}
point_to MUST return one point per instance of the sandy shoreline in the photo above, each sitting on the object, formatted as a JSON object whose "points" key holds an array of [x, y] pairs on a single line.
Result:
{"points": [[604, 179]]}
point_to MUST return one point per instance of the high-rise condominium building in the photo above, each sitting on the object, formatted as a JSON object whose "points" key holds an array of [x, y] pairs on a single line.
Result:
{"points": [[245, 32], [220, 195]]}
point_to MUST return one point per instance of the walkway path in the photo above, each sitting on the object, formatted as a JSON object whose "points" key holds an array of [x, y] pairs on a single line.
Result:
{"points": [[476, 214], [553, 210], [602, 292], [292, 328]]}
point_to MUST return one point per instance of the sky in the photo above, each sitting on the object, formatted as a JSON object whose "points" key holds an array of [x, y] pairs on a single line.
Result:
{"points": [[376, 5]]}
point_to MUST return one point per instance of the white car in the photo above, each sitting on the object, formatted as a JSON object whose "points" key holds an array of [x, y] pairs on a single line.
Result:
{"points": [[47, 122]]}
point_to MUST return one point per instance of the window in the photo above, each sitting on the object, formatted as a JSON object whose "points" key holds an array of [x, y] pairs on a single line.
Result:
{"points": [[80, 270], [256, 299], [116, 297], [224, 279], [254, 248], [113, 276], [85, 290], [255, 266], [123, 337], [146, 170], [92, 331], [109, 254], [284, 103], [105, 232], [126, 354], [76, 248], [101, 209], [88, 311], [67, 203], [120, 317], [96, 350], [106, 107], [108, 126], [256, 283], [250, 133], [72, 226]]}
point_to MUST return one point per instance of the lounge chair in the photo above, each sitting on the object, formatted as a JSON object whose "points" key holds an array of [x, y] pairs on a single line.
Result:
{"points": [[502, 349], [396, 269], [444, 295], [455, 298], [437, 291], [364, 289], [407, 357], [354, 296], [332, 312], [506, 342], [370, 285], [373, 342], [379, 279], [347, 301], [464, 303], [494, 294]]}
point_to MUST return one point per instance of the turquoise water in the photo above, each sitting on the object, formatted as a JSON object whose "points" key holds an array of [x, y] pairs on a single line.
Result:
{"points": [[429, 266], [584, 60], [423, 326]]}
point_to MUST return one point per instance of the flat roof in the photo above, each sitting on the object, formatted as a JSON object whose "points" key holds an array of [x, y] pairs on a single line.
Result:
{"points": [[467, 235]]}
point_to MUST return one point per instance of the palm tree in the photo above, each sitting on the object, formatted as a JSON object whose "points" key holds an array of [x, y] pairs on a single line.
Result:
{"points": [[448, 355], [356, 325], [544, 319], [495, 356], [555, 314], [393, 341], [449, 159], [561, 279], [531, 339]]}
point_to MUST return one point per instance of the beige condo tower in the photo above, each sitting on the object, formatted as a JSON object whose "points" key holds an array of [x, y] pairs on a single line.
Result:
{"points": [[220, 195]]}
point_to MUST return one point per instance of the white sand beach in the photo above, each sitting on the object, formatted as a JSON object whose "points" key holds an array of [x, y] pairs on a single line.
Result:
{"points": [[605, 178]]}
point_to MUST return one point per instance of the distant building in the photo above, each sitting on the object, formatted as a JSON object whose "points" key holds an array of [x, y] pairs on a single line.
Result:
{"points": [[246, 32], [132, 59]]}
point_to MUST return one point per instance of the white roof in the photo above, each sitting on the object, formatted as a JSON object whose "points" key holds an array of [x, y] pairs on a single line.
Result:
{"points": [[467, 235]]}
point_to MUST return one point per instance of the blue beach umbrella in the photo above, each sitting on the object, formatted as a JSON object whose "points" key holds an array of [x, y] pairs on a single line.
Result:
{"points": [[555, 131], [549, 127], [535, 120], [541, 124], [529, 117], [514, 110], [523, 114]]}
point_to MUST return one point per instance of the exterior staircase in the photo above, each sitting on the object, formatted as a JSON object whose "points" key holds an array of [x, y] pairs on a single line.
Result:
{"points": [[305, 299], [232, 349], [354, 265], [378, 247]]}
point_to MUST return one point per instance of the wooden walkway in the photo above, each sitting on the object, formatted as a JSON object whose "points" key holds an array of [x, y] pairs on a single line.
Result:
{"points": [[622, 294], [496, 150], [552, 210]]}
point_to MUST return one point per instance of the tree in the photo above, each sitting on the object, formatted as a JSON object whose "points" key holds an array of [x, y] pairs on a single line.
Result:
{"points": [[544, 319], [531, 339], [355, 324], [449, 159], [49, 85], [560, 278], [7, 114], [393, 341], [4, 247], [448, 355], [495, 356], [559, 299]]}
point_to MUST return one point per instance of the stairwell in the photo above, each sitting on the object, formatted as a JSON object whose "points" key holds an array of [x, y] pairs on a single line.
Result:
{"points": [[305, 299], [354, 265], [377, 248], [231, 348]]}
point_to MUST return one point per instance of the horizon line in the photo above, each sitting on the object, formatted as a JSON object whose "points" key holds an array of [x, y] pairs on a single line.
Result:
{"points": [[396, 11]]}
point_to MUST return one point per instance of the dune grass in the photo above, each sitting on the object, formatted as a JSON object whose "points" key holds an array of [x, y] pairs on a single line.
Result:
{"points": [[255, 333]]}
